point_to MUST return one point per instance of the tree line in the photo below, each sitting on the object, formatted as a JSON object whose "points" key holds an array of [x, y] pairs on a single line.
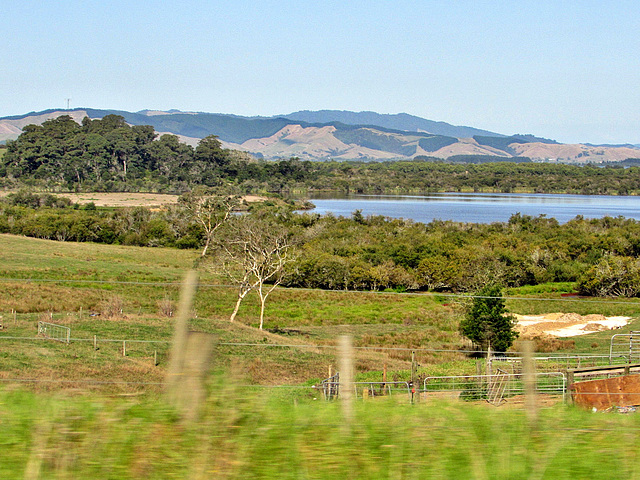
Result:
{"points": [[109, 155]]}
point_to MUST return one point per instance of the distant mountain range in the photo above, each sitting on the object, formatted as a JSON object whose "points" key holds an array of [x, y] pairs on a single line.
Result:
{"points": [[341, 135]]}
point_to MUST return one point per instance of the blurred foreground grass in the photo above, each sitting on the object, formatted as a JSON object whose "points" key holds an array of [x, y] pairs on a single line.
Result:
{"points": [[252, 433]]}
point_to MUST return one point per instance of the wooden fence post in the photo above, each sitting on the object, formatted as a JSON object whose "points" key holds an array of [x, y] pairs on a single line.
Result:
{"points": [[384, 379]]}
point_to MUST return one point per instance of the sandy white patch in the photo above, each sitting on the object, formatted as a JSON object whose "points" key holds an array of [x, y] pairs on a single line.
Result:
{"points": [[610, 323], [567, 324]]}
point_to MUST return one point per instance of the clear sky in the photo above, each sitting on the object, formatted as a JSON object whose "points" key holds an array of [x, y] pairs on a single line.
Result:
{"points": [[567, 70]]}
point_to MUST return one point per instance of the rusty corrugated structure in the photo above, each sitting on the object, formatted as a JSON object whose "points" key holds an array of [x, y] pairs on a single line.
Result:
{"points": [[602, 394]]}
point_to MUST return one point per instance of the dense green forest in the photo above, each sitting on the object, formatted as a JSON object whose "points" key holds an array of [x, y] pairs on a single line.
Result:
{"points": [[110, 155], [373, 253]]}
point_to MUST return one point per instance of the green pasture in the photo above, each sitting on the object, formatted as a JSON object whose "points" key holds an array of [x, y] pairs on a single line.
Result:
{"points": [[249, 433]]}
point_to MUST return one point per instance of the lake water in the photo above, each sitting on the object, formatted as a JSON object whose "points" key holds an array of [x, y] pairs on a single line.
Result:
{"points": [[481, 207]]}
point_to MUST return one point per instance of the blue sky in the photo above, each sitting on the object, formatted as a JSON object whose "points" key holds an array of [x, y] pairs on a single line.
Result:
{"points": [[567, 70]]}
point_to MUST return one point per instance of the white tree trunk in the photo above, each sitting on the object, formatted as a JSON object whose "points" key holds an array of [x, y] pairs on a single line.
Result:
{"points": [[262, 302], [206, 246], [244, 290], [235, 309]]}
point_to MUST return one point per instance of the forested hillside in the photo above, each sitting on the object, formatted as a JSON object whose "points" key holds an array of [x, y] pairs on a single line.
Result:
{"points": [[110, 155]]}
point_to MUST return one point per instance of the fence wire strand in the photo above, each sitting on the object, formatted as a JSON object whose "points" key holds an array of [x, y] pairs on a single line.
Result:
{"points": [[508, 356], [425, 294]]}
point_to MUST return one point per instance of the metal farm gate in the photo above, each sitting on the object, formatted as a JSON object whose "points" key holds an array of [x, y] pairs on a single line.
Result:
{"points": [[54, 332], [494, 388], [625, 345]]}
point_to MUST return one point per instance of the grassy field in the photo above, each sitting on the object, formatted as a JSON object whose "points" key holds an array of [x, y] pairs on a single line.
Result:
{"points": [[249, 434], [74, 411], [128, 293], [125, 293]]}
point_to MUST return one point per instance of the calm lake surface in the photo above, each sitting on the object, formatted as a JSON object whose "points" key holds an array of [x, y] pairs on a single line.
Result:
{"points": [[480, 207]]}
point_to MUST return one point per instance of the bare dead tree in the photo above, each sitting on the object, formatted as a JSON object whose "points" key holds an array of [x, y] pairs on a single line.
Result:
{"points": [[256, 252], [236, 266], [210, 209], [268, 271]]}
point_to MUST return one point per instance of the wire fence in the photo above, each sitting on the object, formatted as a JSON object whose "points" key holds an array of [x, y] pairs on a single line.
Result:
{"points": [[495, 388], [623, 349], [464, 296], [509, 361]]}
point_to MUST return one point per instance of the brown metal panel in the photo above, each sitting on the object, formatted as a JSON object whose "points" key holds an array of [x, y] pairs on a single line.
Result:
{"points": [[602, 394]]}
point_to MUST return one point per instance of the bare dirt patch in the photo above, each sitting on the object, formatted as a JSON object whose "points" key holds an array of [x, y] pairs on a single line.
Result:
{"points": [[130, 199], [116, 199], [566, 324], [123, 199]]}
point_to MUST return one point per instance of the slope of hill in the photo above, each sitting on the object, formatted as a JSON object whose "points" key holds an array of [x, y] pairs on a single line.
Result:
{"points": [[400, 121], [333, 134]]}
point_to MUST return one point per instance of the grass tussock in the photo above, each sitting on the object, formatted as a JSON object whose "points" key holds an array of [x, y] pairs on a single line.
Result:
{"points": [[112, 308]]}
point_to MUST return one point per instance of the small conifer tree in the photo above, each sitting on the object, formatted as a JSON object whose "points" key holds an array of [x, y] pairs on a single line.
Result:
{"points": [[487, 321]]}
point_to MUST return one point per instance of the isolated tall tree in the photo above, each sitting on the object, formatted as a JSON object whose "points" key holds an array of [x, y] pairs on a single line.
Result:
{"points": [[209, 208], [256, 252], [487, 321]]}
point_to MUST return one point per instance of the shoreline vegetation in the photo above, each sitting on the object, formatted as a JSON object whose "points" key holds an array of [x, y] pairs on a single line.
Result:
{"points": [[612, 181], [302, 193], [364, 252]]}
